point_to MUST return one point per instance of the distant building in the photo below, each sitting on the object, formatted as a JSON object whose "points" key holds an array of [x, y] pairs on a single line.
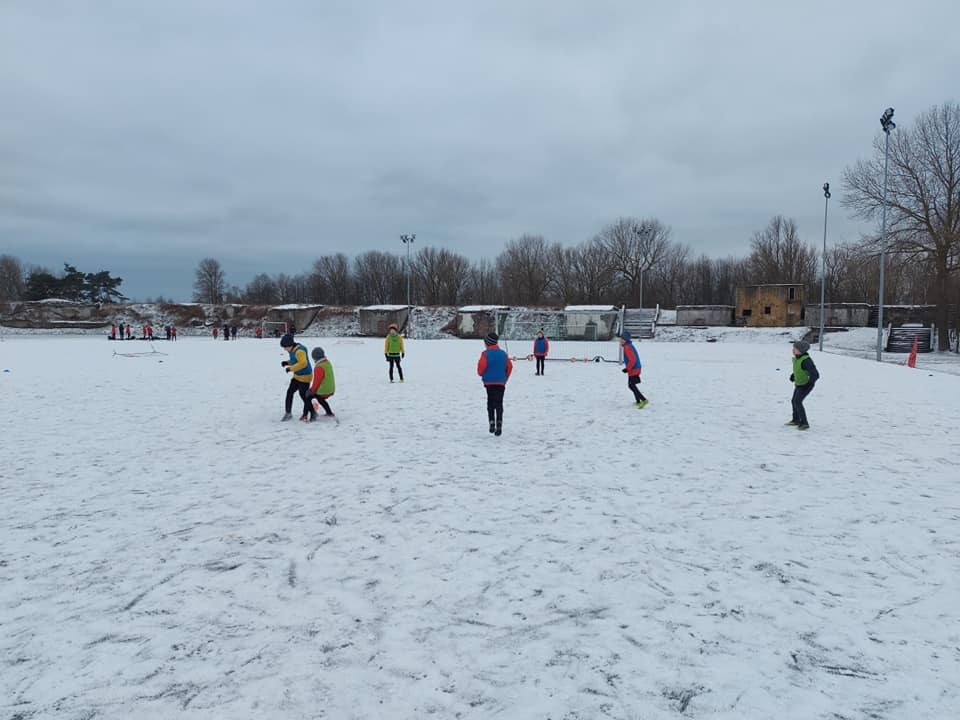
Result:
{"points": [[780, 305], [375, 320]]}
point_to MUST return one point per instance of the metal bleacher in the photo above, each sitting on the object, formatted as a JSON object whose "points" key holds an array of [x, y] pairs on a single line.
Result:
{"points": [[900, 339], [641, 322]]}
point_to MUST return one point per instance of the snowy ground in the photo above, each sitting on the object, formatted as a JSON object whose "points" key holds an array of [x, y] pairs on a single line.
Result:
{"points": [[170, 550]]}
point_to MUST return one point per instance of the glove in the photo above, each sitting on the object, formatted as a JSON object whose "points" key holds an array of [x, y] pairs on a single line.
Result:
{"points": [[386, 357], [403, 355], [791, 377], [287, 369], [284, 363], [624, 370]]}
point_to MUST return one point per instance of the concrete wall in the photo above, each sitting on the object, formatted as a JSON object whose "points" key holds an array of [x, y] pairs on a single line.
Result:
{"points": [[839, 315], [710, 315], [375, 322]]}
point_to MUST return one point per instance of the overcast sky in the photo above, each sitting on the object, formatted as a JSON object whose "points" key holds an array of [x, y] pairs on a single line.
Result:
{"points": [[141, 137]]}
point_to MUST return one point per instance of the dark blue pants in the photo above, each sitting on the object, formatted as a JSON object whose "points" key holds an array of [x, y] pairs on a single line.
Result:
{"points": [[799, 393]]}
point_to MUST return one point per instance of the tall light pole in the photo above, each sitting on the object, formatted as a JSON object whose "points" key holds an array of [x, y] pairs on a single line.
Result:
{"points": [[408, 241], [886, 122], [823, 264], [642, 231]]}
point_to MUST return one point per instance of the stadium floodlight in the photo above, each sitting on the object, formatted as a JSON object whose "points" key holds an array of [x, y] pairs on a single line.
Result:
{"points": [[886, 122], [823, 262], [408, 241]]}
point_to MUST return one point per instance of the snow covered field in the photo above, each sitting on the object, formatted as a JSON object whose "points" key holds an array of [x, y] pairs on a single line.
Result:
{"points": [[171, 550]]}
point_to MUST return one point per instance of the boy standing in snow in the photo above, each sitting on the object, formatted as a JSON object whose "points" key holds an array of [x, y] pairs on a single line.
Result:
{"points": [[323, 384], [804, 377], [494, 368], [541, 348], [393, 350], [299, 367], [632, 367]]}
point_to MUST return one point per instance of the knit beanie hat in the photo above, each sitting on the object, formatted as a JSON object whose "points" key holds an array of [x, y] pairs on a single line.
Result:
{"points": [[802, 346], [317, 353], [287, 341], [491, 338], [625, 335]]}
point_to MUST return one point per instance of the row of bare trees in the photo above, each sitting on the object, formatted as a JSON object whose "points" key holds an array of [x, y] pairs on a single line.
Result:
{"points": [[630, 261]]}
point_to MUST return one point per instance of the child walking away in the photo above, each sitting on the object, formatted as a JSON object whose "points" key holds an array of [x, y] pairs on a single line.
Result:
{"points": [[632, 367], [541, 348], [494, 368], [301, 375], [323, 384], [804, 377], [393, 350]]}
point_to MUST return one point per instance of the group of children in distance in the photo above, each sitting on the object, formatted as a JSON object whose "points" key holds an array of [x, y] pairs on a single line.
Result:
{"points": [[494, 367]]}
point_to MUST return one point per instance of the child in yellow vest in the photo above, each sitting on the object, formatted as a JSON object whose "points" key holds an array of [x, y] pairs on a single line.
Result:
{"points": [[393, 350]]}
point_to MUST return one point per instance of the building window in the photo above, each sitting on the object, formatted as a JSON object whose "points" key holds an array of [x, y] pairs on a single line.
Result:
{"points": [[747, 312], [766, 310], [792, 293]]}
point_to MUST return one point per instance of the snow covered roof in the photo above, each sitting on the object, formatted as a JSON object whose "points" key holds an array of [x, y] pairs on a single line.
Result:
{"points": [[482, 308], [296, 306], [589, 308], [384, 307]]}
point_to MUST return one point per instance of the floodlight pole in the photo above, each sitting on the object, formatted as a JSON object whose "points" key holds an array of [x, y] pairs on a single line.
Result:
{"points": [[823, 263], [408, 241], [642, 231], [886, 122]]}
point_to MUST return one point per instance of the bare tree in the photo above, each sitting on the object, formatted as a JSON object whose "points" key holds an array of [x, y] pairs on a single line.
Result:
{"points": [[923, 196], [523, 269], [378, 276], [595, 272], [634, 247], [779, 256], [482, 285], [442, 276], [563, 283], [262, 290], [209, 284], [337, 279], [12, 284]]}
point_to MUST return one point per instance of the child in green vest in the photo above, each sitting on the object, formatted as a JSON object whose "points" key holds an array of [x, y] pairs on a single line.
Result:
{"points": [[323, 384], [393, 350], [804, 377]]}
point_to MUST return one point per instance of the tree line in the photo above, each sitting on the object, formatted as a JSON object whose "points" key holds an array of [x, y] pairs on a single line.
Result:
{"points": [[635, 260], [17, 283]]}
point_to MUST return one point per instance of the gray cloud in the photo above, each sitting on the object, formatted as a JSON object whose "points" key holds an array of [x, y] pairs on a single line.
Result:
{"points": [[144, 137]]}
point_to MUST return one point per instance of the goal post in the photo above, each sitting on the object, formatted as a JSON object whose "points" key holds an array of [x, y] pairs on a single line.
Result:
{"points": [[519, 328], [273, 328]]}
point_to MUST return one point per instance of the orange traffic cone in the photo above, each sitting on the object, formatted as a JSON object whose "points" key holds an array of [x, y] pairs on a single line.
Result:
{"points": [[912, 359]]}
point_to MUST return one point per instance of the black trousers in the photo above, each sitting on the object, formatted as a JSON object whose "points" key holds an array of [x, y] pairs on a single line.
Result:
{"points": [[540, 363], [632, 382], [324, 404], [495, 403], [799, 413], [395, 361], [296, 387]]}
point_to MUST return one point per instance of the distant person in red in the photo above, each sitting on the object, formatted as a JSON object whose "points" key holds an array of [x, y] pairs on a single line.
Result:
{"points": [[494, 368], [259, 333], [129, 331], [216, 332], [541, 348], [113, 332], [150, 332], [173, 332]]}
